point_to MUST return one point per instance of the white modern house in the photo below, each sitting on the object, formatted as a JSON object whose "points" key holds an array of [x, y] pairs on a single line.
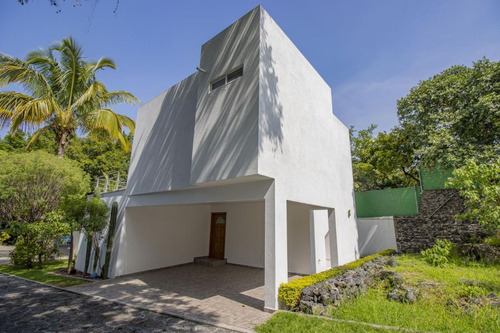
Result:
{"points": [[243, 160]]}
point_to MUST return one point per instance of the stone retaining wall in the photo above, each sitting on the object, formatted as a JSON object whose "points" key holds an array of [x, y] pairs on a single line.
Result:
{"points": [[435, 220], [315, 298]]}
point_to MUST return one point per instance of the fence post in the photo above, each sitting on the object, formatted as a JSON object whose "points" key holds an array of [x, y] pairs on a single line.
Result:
{"points": [[107, 183], [117, 181]]}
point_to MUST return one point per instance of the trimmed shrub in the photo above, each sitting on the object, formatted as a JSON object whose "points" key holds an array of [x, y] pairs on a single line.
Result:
{"points": [[289, 293]]}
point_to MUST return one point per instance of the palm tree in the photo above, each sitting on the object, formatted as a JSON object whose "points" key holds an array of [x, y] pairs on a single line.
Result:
{"points": [[62, 95]]}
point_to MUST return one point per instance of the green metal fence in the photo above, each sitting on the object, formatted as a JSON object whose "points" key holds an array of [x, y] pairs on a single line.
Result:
{"points": [[389, 202], [434, 179]]}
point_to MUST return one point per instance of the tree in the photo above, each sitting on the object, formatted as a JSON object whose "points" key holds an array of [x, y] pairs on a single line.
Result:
{"points": [[382, 161], [91, 216], [36, 183], [98, 155], [76, 3], [18, 141], [454, 116], [32, 188], [63, 96], [37, 240], [479, 184]]}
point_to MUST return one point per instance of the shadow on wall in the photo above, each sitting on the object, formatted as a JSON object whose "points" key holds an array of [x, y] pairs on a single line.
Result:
{"points": [[165, 160], [272, 111], [227, 118]]}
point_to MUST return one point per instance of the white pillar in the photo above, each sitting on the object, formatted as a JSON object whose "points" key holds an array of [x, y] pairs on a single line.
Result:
{"points": [[276, 258], [318, 222], [334, 242]]}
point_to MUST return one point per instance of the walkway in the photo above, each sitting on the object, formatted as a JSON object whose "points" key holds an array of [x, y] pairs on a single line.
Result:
{"points": [[229, 294], [4, 254], [26, 306]]}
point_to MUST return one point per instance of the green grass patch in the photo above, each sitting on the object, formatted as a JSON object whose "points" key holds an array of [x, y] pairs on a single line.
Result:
{"points": [[289, 293], [43, 275], [445, 303], [283, 322]]}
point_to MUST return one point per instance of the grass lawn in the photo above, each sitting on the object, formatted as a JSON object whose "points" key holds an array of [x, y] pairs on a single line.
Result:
{"points": [[43, 275], [446, 304]]}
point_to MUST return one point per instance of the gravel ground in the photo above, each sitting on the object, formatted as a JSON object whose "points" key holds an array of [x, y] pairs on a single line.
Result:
{"points": [[30, 307]]}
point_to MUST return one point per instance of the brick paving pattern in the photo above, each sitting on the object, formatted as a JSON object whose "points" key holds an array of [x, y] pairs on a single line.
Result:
{"points": [[30, 307], [228, 294]]}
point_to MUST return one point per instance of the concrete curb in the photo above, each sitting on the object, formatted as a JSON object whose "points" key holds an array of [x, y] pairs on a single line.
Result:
{"points": [[395, 328], [162, 312]]}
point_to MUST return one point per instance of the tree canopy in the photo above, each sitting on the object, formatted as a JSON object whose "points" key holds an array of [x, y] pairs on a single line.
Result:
{"points": [[62, 96], [454, 116], [36, 183], [444, 122], [381, 161]]}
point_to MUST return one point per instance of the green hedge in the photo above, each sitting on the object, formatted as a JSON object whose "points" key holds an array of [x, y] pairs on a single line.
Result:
{"points": [[289, 293]]}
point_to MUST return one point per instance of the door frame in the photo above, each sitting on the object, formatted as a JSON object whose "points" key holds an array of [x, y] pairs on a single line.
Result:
{"points": [[212, 234]]}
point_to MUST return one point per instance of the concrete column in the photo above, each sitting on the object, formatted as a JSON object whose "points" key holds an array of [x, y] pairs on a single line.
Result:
{"points": [[318, 222], [276, 258], [334, 242]]}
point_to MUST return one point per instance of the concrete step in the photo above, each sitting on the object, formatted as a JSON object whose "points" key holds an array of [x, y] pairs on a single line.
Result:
{"points": [[207, 261]]}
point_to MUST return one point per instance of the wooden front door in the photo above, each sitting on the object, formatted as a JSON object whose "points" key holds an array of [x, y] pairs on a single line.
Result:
{"points": [[217, 235]]}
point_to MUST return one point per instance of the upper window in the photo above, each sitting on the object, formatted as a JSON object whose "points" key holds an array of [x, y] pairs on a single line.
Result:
{"points": [[227, 78]]}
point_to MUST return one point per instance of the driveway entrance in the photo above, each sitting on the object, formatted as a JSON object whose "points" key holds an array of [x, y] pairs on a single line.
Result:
{"points": [[228, 294]]}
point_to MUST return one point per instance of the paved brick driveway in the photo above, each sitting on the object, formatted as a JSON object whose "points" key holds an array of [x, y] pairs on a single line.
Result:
{"points": [[229, 294], [26, 306]]}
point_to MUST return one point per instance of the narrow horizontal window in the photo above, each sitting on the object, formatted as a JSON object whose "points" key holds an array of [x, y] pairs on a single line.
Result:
{"points": [[218, 83], [234, 75]]}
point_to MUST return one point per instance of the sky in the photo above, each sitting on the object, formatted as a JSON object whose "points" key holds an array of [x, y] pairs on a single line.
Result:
{"points": [[371, 53]]}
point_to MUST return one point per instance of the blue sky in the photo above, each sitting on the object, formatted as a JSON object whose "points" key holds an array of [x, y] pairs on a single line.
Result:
{"points": [[370, 52]]}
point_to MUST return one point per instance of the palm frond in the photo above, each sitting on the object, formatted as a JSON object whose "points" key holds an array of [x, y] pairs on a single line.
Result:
{"points": [[118, 97], [13, 70], [33, 113], [104, 119], [12, 100], [36, 135], [128, 123], [5, 116], [91, 95], [102, 63]]}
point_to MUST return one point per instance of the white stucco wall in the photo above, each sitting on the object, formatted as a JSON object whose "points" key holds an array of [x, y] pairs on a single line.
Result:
{"points": [[161, 236], [163, 141], [244, 232], [225, 135], [302, 145], [376, 234], [299, 244]]}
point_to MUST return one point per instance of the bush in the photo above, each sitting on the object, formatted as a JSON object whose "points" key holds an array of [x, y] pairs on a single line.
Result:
{"points": [[34, 184], [289, 293], [4, 236], [439, 254], [37, 241], [492, 241]]}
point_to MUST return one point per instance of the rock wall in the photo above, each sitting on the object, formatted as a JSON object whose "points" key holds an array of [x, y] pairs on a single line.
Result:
{"points": [[316, 298], [435, 220]]}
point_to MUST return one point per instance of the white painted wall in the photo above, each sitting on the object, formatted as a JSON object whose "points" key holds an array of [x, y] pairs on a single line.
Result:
{"points": [[244, 232], [376, 234], [299, 243], [163, 141], [225, 135], [302, 145], [161, 236]]}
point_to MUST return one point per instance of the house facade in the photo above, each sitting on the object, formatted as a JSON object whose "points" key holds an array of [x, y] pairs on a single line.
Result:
{"points": [[242, 160]]}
